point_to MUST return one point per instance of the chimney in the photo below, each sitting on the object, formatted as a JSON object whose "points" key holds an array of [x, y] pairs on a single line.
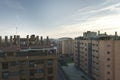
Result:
{"points": [[105, 33], [0, 41], [47, 40], [115, 33], [6, 40], [14, 39], [41, 41], [98, 32], [11, 41], [37, 40], [18, 40], [27, 40]]}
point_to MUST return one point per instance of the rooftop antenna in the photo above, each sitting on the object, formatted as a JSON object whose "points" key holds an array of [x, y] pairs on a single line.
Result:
{"points": [[16, 30]]}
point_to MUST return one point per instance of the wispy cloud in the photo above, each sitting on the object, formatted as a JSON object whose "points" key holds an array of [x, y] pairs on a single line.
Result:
{"points": [[108, 24], [91, 12]]}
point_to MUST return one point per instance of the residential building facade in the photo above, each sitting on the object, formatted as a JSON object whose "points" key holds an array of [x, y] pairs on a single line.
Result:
{"points": [[27, 58], [99, 57]]}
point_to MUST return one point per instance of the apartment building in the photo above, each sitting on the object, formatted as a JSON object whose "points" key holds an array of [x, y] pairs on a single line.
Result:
{"points": [[27, 58], [65, 46], [99, 57]]}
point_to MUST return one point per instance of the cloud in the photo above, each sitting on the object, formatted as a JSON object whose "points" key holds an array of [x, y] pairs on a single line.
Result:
{"points": [[109, 24]]}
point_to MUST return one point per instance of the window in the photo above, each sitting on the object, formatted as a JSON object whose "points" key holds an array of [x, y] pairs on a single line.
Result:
{"points": [[13, 63], [10, 54], [108, 45], [50, 70], [50, 61], [108, 59], [50, 78], [22, 62], [96, 50], [38, 71], [108, 79], [14, 73], [31, 63], [97, 57], [108, 52], [23, 71], [5, 75], [108, 65], [31, 73], [4, 65], [108, 72], [39, 61]]}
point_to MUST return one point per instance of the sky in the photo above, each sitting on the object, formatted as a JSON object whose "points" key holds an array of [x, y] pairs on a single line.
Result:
{"points": [[58, 18]]}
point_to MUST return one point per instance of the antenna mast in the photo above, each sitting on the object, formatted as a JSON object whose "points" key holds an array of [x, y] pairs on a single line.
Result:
{"points": [[16, 30]]}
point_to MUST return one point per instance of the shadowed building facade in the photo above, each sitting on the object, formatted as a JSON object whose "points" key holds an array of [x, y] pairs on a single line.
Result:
{"points": [[27, 58]]}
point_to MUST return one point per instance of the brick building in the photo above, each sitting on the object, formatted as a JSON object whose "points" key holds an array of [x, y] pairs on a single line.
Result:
{"points": [[98, 56], [27, 58]]}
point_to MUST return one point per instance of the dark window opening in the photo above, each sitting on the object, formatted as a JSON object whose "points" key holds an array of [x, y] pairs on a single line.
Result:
{"points": [[108, 52], [4, 65], [50, 70]]}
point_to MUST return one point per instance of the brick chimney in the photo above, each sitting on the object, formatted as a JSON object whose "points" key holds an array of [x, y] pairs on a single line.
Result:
{"points": [[98, 33], [14, 40], [27, 40], [6, 40], [37, 40], [11, 40], [48, 42], [18, 40], [115, 33], [41, 40]]}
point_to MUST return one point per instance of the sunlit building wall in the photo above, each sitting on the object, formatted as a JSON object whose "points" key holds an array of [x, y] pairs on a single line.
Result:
{"points": [[98, 57]]}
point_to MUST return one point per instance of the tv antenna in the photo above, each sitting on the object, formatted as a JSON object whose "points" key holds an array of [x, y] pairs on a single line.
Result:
{"points": [[16, 30]]}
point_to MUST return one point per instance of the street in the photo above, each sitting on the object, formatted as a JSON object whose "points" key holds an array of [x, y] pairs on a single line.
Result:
{"points": [[61, 75], [73, 73]]}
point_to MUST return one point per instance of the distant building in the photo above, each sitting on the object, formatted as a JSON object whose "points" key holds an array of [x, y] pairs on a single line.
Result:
{"points": [[98, 56], [27, 58], [89, 34], [65, 46]]}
